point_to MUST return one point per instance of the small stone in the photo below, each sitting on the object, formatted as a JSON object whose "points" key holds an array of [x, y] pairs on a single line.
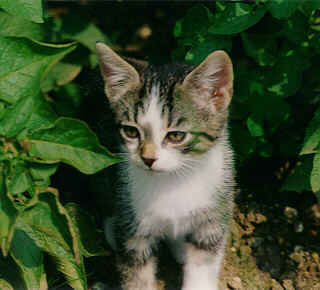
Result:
{"points": [[298, 227], [290, 212], [298, 249], [235, 283], [288, 285]]}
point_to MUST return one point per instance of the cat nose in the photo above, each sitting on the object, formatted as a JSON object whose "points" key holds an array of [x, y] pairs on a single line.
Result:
{"points": [[148, 161]]}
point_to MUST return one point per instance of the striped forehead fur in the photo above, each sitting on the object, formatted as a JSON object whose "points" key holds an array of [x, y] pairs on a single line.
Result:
{"points": [[162, 78]]}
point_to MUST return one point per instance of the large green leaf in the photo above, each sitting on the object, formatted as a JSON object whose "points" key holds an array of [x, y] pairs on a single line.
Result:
{"points": [[72, 142], [312, 138], [29, 9], [237, 17], [8, 216], [17, 26], [16, 117], [29, 258], [315, 174], [22, 65], [50, 227], [282, 8]]}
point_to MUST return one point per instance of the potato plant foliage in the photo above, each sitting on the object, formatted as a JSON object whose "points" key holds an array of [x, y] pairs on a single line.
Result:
{"points": [[275, 46]]}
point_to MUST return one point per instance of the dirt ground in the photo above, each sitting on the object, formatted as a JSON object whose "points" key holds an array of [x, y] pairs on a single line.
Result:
{"points": [[271, 246]]}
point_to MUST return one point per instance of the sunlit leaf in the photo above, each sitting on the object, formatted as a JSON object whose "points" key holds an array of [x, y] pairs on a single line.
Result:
{"points": [[22, 65], [16, 117], [72, 142], [29, 9], [18, 26], [236, 18]]}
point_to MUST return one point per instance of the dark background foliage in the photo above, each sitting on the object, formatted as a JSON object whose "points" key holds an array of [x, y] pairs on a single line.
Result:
{"points": [[274, 120]]}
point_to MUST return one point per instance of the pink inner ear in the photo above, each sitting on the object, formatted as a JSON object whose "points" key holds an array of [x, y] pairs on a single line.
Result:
{"points": [[222, 88]]}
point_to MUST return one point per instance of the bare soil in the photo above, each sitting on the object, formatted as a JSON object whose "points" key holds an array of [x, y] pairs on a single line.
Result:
{"points": [[271, 246]]}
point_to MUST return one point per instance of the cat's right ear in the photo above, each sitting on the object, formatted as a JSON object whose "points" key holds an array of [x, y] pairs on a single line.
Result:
{"points": [[119, 76]]}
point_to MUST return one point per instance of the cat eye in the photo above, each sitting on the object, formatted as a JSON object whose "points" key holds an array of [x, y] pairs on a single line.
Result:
{"points": [[175, 137], [130, 132]]}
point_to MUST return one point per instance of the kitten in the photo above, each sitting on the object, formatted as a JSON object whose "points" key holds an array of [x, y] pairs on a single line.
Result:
{"points": [[179, 180]]}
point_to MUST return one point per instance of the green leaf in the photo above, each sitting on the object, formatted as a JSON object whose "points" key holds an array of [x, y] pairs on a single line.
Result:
{"points": [[17, 26], [23, 64], [299, 180], [72, 142], [85, 228], [20, 180], [29, 9], [16, 116], [315, 174], [283, 81], [41, 173], [210, 43], [8, 216], [186, 28], [42, 116], [79, 27], [60, 74], [260, 47], [255, 125], [282, 8], [296, 28], [237, 17], [49, 226], [312, 138], [29, 258]]}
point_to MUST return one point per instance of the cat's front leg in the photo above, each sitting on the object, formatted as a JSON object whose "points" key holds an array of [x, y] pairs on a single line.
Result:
{"points": [[137, 265], [202, 262]]}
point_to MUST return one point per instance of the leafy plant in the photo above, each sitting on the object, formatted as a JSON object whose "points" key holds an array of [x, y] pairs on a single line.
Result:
{"points": [[274, 45], [33, 141]]}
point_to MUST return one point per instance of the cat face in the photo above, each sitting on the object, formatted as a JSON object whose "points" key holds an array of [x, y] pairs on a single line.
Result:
{"points": [[169, 116]]}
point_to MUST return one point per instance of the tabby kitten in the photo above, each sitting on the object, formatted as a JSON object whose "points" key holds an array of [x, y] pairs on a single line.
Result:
{"points": [[179, 181]]}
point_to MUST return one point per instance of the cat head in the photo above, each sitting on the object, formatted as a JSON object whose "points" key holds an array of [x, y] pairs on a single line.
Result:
{"points": [[168, 115]]}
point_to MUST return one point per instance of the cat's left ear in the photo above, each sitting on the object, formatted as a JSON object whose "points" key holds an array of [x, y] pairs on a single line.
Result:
{"points": [[120, 75], [211, 82]]}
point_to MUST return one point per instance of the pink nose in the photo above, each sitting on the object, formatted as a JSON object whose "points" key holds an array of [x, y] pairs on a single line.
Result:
{"points": [[148, 161]]}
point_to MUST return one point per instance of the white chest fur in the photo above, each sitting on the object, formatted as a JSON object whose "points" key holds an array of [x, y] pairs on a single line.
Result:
{"points": [[163, 204]]}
